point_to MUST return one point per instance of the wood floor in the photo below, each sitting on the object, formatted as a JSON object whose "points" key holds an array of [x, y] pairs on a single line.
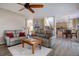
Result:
{"points": [[63, 47], [4, 51]]}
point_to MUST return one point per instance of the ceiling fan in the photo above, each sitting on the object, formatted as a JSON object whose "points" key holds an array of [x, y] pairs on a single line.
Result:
{"points": [[30, 6]]}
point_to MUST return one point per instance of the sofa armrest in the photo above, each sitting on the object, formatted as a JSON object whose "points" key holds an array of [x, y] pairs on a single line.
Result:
{"points": [[7, 40], [53, 41]]}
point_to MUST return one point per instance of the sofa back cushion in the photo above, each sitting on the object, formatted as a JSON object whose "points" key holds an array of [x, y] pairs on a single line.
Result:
{"points": [[17, 32], [20, 33]]}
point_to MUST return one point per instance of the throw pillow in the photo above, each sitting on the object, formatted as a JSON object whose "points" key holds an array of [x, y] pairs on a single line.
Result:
{"points": [[22, 34], [10, 35]]}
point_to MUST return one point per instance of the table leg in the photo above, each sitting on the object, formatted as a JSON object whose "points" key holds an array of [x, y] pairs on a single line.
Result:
{"points": [[33, 48], [22, 44], [40, 46], [76, 35]]}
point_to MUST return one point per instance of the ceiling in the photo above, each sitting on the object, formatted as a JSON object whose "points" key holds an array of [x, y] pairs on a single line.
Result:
{"points": [[50, 9]]}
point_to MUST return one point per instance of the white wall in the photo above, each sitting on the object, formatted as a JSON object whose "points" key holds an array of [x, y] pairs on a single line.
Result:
{"points": [[10, 21]]}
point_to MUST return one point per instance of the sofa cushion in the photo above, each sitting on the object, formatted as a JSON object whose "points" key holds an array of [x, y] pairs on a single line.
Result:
{"points": [[10, 35], [12, 39]]}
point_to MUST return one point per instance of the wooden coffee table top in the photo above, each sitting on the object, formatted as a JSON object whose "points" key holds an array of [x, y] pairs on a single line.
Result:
{"points": [[31, 41]]}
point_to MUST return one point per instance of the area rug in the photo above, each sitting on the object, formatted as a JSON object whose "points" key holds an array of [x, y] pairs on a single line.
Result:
{"points": [[27, 51]]}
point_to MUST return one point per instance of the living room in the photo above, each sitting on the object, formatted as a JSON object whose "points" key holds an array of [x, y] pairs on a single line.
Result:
{"points": [[48, 24]]}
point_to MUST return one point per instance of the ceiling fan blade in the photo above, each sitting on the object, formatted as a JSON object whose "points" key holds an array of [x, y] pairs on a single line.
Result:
{"points": [[37, 6], [21, 9], [31, 10], [20, 4]]}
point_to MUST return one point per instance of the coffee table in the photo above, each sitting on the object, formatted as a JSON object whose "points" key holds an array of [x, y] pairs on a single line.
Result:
{"points": [[33, 42]]}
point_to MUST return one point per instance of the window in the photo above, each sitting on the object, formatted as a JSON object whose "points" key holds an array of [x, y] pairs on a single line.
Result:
{"points": [[48, 21], [30, 25], [70, 25]]}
